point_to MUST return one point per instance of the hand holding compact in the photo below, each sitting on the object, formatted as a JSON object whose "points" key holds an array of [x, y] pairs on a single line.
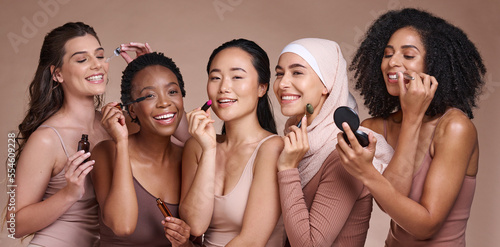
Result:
{"points": [[348, 115]]}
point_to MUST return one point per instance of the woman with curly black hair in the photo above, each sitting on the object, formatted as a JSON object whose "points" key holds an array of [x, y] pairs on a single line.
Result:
{"points": [[429, 184]]}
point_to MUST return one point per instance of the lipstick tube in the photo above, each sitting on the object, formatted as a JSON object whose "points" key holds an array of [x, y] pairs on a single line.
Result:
{"points": [[206, 105], [163, 208]]}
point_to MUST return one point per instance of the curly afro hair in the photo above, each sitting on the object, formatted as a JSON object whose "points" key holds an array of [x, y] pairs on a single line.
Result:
{"points": [[450, 57], [139, 64]]}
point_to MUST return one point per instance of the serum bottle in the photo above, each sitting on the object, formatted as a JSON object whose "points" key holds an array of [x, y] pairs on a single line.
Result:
{"points": [[84, 144]]}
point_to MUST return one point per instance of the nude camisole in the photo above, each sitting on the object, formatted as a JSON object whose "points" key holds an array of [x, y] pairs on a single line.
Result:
{"points": [[227, 218], [78, 226]]}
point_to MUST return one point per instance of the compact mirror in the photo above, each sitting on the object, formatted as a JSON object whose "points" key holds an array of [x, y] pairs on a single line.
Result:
{"points": [[348, 115]]}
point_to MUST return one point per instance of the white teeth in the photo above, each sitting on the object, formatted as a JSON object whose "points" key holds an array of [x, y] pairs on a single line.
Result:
{"points": [[164, 116], [227, 100], [289, 97], [393, 76], [94, 78]]}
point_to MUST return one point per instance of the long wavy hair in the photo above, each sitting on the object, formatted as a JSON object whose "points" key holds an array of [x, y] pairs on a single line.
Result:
{"points": [[260, 62], [450, 57], [46, 96]]}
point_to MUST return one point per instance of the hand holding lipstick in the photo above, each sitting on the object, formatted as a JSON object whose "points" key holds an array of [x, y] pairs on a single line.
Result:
{"points": [[206, 105], [201, 126]]}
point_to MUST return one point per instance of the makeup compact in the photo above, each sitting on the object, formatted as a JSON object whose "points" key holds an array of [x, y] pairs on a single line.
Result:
{"points": [[348, 115]]}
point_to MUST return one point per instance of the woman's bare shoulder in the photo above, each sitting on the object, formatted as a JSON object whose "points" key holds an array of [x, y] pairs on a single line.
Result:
{"points": [[376, 124], [456, 124]]}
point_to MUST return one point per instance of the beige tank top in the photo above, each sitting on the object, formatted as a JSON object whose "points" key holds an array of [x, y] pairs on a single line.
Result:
{"points": [[78, 226], [227, 218]]}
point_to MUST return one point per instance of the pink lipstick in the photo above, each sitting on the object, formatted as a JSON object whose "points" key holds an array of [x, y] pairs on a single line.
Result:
{"points": [[206, 105]]}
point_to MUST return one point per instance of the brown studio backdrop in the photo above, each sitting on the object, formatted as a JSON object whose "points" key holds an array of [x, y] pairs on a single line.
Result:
{"points": [[188, 31]]}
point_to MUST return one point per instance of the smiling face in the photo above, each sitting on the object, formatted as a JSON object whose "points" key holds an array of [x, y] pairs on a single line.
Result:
{"points": [[84, 71], [233, 84], [404, 51], [162, 109], [296, 85]]}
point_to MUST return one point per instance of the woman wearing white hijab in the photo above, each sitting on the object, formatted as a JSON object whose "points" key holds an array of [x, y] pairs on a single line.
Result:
{"points": [[322, 204]]}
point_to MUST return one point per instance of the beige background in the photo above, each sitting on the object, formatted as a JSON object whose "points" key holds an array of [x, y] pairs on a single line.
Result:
{"points": [[188, 31]]}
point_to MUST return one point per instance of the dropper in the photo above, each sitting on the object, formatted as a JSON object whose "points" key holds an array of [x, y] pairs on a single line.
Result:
{"points": [[116, 53]]}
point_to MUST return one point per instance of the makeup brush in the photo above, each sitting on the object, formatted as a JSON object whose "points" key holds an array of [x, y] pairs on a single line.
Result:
{"points": [[309, 111], [206, 105], [120, 106], [406, 76]]}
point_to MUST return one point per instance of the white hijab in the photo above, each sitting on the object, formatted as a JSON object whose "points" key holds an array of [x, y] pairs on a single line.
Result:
{"points": [[325, 58]]}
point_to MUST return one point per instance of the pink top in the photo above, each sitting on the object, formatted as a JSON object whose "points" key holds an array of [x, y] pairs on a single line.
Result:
{"points": [[78, 226], [452, 232], [229, 210], [333, 209]]}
